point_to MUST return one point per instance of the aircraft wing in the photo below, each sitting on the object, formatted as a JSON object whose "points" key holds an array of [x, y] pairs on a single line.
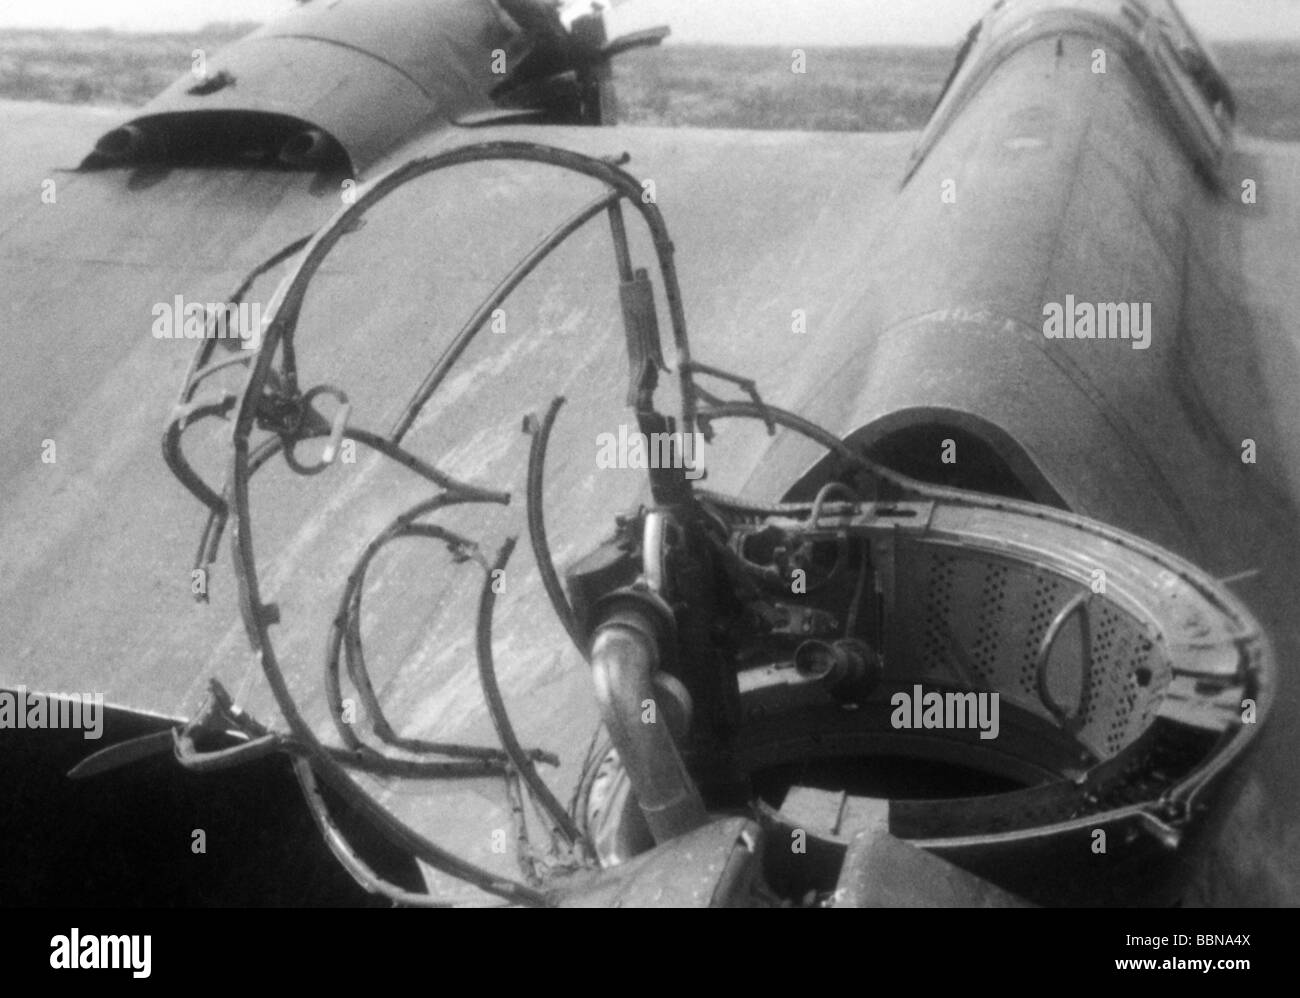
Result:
{"points": [[84, 371]]}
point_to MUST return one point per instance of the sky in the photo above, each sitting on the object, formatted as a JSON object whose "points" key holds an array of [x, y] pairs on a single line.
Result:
{"points": [[784, 22]]}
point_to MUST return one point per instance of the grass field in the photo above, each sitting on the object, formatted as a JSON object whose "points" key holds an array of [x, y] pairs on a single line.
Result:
{"points": [[845, 89]]}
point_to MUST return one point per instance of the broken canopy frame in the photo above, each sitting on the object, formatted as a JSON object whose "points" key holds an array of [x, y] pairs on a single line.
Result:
{"points": [[272, 400]]}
